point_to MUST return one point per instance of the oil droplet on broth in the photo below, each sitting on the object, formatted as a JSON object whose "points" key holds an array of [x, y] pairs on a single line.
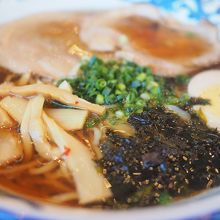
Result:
{"points": [[66, 35]]}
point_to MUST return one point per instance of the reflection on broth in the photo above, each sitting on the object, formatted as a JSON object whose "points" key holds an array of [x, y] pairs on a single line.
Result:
{"points": [[64, 35]]}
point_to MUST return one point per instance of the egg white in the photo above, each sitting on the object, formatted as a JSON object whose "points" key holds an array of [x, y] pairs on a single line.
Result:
{"points": [[196, 87], [203, 80]]}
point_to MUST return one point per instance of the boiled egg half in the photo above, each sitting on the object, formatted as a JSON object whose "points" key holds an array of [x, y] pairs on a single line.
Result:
{"points": [[207, 85]]}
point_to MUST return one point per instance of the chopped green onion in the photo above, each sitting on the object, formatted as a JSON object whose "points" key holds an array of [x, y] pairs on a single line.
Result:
{"points": [[106, 91], [141, 77], [100, 84], [140, 103], [152, 84], [119, 114], [121, 86], [99, 99], [135, 84], [125, 84], [145, 96], [165, 198], [118, 92]]}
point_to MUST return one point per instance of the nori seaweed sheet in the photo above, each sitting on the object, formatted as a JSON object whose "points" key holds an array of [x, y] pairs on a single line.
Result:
{"points": [[167, 158]]}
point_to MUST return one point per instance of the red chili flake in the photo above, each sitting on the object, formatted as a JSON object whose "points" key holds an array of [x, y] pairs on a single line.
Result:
{"points": [[66, 151], [76, 102]]}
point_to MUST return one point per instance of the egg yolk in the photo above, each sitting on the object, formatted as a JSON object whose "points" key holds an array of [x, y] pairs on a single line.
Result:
{"points": [[212, 93]]}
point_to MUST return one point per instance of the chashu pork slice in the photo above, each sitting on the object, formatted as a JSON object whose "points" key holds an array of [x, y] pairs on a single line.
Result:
{"points": [[145, 35], [47, 44]]}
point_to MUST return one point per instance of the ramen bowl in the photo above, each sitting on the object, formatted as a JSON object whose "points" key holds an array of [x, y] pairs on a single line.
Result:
{"points": [[204, 205]]}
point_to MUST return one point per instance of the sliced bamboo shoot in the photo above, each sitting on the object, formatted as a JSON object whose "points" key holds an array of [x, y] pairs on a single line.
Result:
{"points": [[24, 79], [5, 120], [90, 184], [68, 119], [38, 132], [10, 147], [66, 86], [50, 91], [5, 88], [97, 134], [25, 136], [123, 128], [14, 106]]}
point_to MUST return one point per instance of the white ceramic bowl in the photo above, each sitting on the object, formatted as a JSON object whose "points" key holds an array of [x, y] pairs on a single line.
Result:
{"points": [[15, 208]]}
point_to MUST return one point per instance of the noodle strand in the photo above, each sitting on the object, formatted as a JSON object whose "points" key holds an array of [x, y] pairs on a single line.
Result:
{"points": [[64, 197], [44, 169]]}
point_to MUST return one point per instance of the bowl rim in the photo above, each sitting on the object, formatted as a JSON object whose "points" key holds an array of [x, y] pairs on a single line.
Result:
{"points": [[194, 207]]}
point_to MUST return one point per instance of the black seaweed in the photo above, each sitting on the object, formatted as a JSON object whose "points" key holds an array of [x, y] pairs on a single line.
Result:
{"points": [[167, 158], [195, 101], [56, 104]]}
